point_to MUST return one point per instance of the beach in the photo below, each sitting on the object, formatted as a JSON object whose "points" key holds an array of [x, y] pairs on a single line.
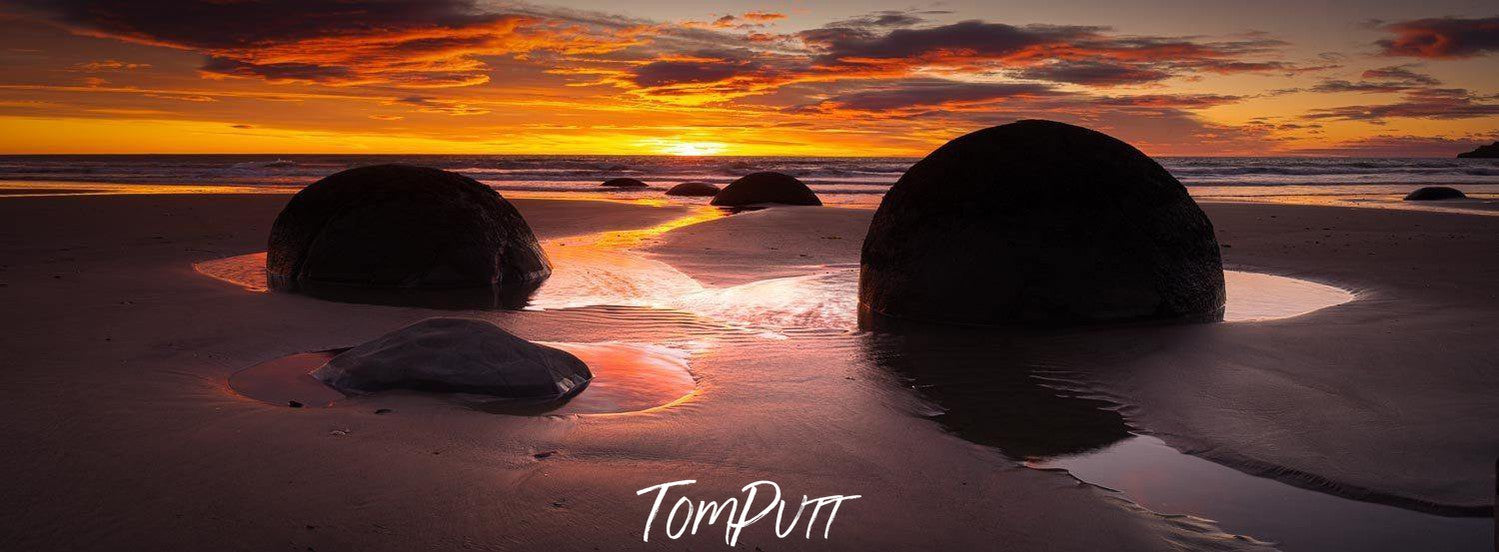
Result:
{"points": [[123, 430]]}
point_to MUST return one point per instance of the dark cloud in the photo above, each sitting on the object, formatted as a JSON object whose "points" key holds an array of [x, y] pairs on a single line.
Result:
{"points": [[1093, 73], [1447, 37], [1401, 73], [932, 93], [422, 43], [1367, 87], [1425, 103]]}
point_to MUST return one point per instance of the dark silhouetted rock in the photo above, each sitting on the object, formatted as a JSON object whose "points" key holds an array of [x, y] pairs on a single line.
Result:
{"points": [[696, 189], [456, 355], [623, 183], [766, 187], [395, 227], [1430, 193], [1490, 151], [1039, 222]]}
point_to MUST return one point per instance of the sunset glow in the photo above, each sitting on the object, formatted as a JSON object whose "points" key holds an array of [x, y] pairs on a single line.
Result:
{"points": [[737, 78]]}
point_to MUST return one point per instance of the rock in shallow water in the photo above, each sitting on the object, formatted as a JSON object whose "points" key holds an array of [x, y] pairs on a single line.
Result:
{"points": [[697, 189], [456, 355], [623, 183], [399, 226], [1039, 222], [1430, 193], [766, 187]]}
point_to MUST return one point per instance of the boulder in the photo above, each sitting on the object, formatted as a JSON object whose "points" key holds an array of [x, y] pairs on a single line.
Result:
{"points": [[766, 187], [456, 355], [1430, 193], [402, 227], [623, 183], [1039, 223], [695, 189], [1490, 151]]}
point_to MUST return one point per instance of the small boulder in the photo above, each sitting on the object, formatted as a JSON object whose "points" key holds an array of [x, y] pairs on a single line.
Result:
{"points": [[1490, 151], [456, 355], [766, 187], [1039, 223], [399, 226], [1431, 193], [694, 189], [623, 183]]}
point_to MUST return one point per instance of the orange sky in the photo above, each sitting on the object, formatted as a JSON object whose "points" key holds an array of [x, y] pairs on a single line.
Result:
{"points": [[461, 76]]}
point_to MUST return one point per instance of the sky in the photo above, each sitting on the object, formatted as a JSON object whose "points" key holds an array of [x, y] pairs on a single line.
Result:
{"points": [[839, 78]]}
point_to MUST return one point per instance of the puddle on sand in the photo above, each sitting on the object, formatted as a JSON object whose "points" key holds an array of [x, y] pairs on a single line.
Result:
{"points": [[1156, 476], [626, 378]]}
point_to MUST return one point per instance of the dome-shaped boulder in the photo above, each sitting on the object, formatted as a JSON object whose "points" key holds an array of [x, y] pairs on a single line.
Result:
{"points": [[766, 187], [1432, 193], [456, 355], [399, 226], [623, 183], [1039, 223], [693, 189]]}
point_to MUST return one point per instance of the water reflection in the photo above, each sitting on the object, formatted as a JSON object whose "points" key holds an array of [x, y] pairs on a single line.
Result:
{"points": [[992, 389]]}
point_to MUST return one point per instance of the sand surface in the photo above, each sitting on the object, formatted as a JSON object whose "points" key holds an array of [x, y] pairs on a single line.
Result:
{"points": [[120, 429], [1390, 398]]}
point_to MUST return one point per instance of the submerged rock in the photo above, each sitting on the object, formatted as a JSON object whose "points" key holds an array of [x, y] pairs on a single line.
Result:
{"points": [[399, 226], [695, 189], [1490, 151], [623, 183], [1039, 222], [766, 187], [1430, 193], [456, 355]]}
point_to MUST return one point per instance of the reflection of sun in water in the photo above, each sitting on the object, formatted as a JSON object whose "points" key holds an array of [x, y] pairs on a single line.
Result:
{"points": [[692, 148]]}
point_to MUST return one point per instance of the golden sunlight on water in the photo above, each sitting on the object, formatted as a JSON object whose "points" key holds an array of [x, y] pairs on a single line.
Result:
{"points": [[604, 269]]}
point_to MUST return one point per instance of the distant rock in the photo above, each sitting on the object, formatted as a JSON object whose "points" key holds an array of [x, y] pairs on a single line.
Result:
{"points": [[456, 355], [695, 189], [766, 187], [1039, 223], [1490, 151], [1430, 193], [623, 183], [402, 227]]}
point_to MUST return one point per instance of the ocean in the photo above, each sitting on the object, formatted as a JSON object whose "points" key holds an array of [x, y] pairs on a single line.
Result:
{"points": [[838, 179]]}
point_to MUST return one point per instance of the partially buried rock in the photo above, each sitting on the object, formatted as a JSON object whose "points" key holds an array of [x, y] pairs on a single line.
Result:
{"points": [[695, 189], [1430, 193], [1039, 223], [402, 227], [623, 183], [456, 355], [766, 187]]}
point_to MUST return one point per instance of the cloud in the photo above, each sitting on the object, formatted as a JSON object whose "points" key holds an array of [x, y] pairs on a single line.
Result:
{"points": [[925, 94], [1442, 38], [1397, 145], [1093, 73], [1423, 103], [108, 65], [442, 106], [1400, 73], [417, 43]]}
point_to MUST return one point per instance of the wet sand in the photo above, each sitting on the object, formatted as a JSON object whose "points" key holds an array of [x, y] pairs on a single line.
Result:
{"points": [[121, 429]]}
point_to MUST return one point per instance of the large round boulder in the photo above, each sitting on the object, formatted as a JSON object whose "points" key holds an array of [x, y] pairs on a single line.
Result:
{"points": [[623, 183], [1039, 223], [404, 227], [693, 189], [456, 355], [766, 187], [1432, 193]]}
